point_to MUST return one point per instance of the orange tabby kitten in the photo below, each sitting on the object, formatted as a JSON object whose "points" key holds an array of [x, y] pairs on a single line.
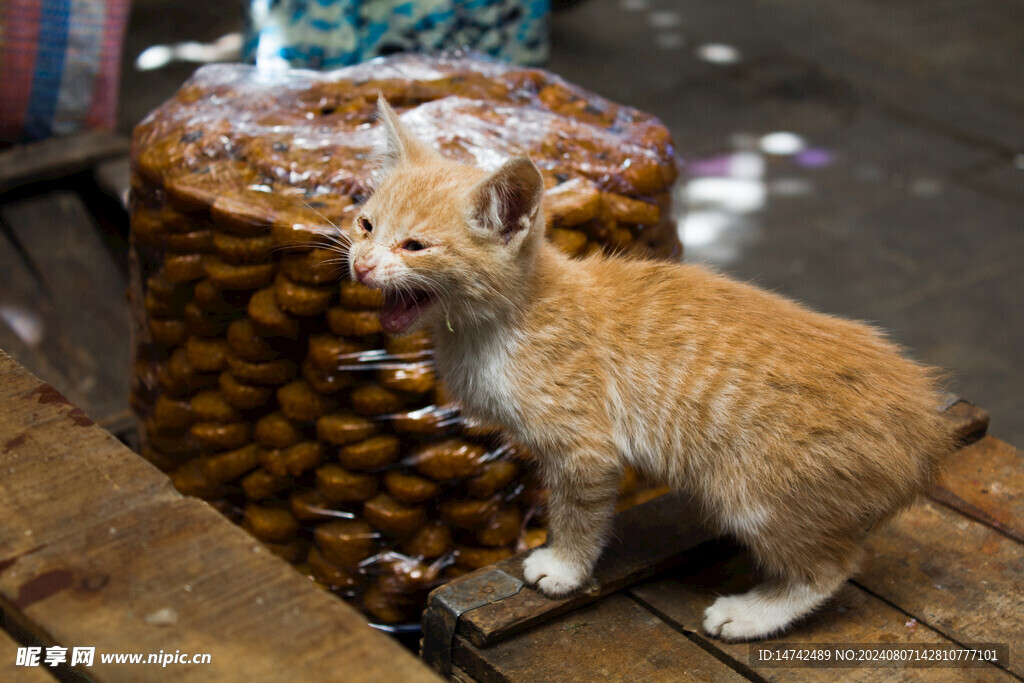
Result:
{"points": [[796, 431]]}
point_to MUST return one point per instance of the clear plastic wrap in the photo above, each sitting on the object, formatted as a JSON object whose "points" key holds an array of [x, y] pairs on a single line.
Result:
{"points": [[262, 379]]}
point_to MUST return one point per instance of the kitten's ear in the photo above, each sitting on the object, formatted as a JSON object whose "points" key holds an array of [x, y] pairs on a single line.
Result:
{"points": [[398, 143], [505, 204]]}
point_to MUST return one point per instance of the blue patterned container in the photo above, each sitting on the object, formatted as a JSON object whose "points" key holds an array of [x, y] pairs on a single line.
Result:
{"points": [[324, 34]]}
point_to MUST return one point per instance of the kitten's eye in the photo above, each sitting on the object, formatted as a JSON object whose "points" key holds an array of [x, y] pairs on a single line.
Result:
{"points": [[366, 225], [413, 245]]}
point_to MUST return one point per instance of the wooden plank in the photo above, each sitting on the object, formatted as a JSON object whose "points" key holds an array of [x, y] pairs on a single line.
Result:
{"points": [[967, 421], [97, 549], [28, 321], [82, 284], [648, 539], [54, 158], [853, 616], [614, 639], [956, 575], [985, 481], [9, 671]]}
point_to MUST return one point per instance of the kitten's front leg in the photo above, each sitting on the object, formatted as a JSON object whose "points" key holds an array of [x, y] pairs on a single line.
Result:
{"points": [[580, 507]]}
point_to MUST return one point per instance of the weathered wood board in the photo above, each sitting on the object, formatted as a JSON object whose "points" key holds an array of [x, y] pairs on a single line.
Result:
{"points": [[60, 277], [55, 157], [577, 647], [97, 549], [952, 573], [986, 481], [853, 616]]}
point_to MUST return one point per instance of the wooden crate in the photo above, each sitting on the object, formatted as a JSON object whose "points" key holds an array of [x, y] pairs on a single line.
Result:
{"points": [[950, 570], [63, 269], [97, 549]]}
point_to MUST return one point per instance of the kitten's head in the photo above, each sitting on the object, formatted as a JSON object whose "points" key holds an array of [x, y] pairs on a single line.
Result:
{"points": [[441, 238]]}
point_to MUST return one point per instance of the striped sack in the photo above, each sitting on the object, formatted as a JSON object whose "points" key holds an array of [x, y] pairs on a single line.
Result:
{"points": [[59, 66]]}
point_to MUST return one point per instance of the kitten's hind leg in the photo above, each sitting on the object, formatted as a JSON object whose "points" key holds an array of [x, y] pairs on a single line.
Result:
{"points": [[767, 608]]}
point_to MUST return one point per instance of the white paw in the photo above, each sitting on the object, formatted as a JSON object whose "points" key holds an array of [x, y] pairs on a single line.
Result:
{"points": [[733, 617], [551, 575]]}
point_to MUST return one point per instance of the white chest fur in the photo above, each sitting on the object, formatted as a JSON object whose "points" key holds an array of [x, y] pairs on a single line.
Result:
{"points": [[479, 371]]}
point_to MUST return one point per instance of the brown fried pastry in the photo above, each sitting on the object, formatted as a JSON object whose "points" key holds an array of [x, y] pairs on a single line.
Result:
{"points": [[339, 485], [169, 413], [238, 276], [411, 347], [235, 249], [571, 242], [373, 399], [311, 505], [449, 459], [217, 436], [502, 528], [346, 542], [344, 428], [291, 551], [426, 421], [173, 443], [200, 323], [274, 430], [241, 216], [433, 539], [274, 524], [179, 378], [211, 406], [330, 574], [370, 454], [572, 203], [272, 372], [329, 352], [468, 513], [628, 210], [324, 382], [159, 307], [532, 538], [194, 242], [410, 378], [190, 480], [184, 267], [210, 298], [269, 317], [357, 296], [471, 558], [299, 402], [260, 484], [494, 476], [241, 395], [225, 467], [388, 515], [315, 267], [206, 355], [410, 488], [386, 607], [299, 299], [294, 460], [247, 343], [353, 323]]}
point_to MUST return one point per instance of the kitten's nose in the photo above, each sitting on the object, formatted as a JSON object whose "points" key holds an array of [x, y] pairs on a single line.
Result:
{"points": [[363, 271]]}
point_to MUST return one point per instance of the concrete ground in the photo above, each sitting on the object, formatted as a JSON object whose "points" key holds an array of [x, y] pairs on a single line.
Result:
{"points": [[866, 158]]}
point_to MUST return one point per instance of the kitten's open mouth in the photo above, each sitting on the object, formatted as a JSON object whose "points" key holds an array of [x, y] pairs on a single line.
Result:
{"points": [[402, 308]]}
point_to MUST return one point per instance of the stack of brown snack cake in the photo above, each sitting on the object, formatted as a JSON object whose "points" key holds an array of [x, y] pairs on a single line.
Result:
{"points": [[262, 379]]}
